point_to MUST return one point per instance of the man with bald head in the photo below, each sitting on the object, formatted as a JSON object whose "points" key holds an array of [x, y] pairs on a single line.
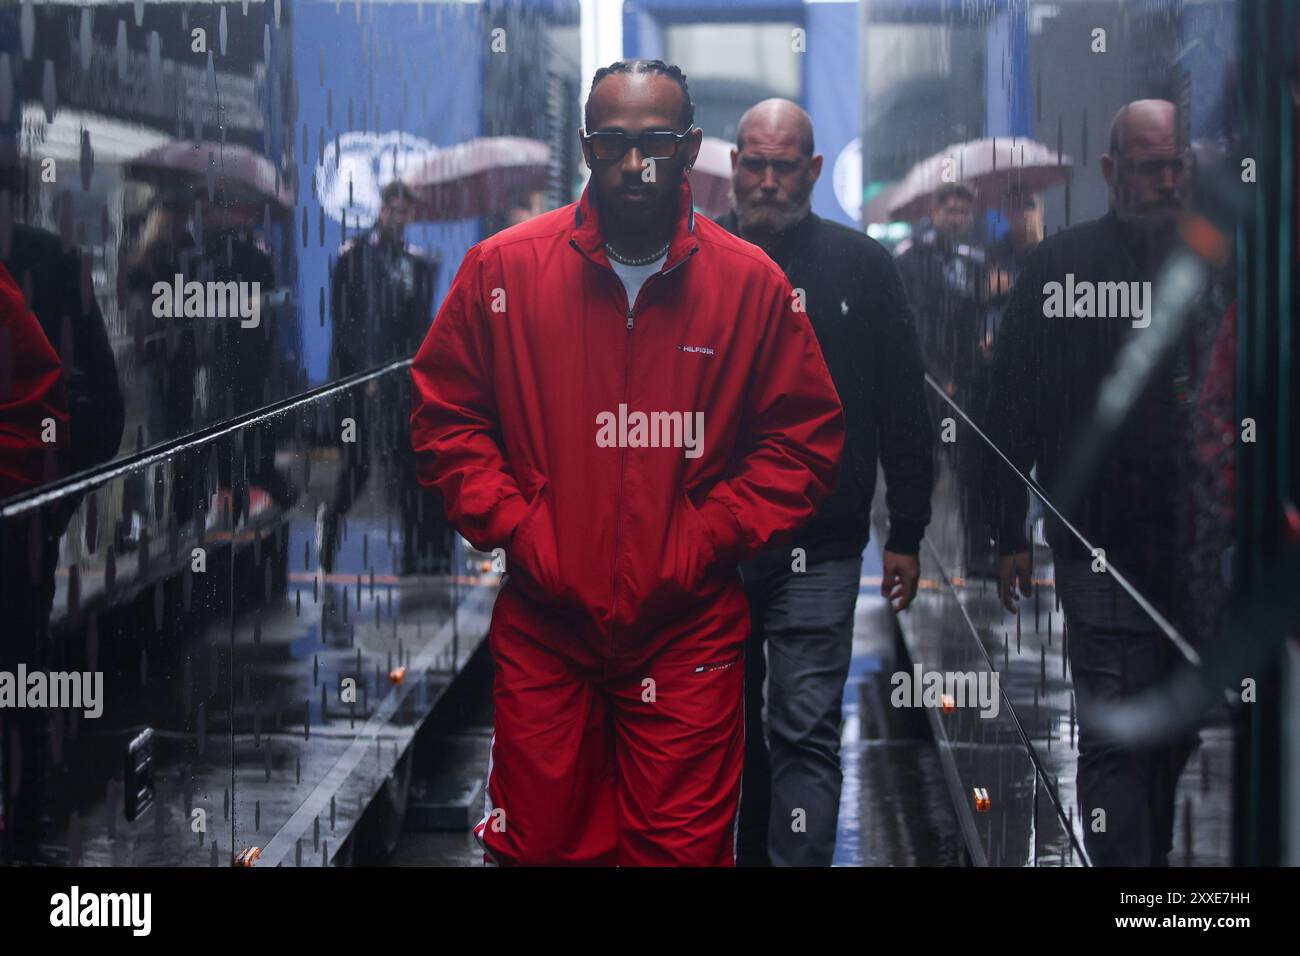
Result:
{"points": [[1048, 375], [803, 592], [1146, 170]]}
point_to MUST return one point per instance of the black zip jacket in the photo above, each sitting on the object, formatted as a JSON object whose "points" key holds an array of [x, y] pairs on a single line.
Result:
{"points": [[858, 309], [1046, 379], [381, 301]]}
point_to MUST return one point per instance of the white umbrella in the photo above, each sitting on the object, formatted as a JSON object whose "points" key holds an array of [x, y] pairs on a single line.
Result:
{"points": [[992, 167], [477, 177], [239, 172], [710, 177]]}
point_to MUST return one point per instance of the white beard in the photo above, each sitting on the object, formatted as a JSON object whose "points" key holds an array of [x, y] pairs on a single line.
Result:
{"points": [[767, 218]]}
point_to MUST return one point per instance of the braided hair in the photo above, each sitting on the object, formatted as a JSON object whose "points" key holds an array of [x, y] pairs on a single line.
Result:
{"points": [[687, 115]]}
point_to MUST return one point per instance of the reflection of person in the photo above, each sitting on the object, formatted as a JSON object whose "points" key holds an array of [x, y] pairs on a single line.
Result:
{"points": [[1005, 258], [63, 303], [32, 395], [946, 285], [381, 305], [240, 361], [244, 362], [242, 358], [944, 280], [167, 351], [1047, 376], [381, 290], [33, 409], [857, 307], [65, 306], [526, 206], [169, 356], [622, 395]]}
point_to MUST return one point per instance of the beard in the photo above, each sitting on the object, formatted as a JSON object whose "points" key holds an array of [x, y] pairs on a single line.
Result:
{"points": [[639, 216], [1158, 219], [769, 217]]}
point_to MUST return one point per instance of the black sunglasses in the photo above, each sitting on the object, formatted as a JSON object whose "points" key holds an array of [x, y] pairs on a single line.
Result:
{"points": [[652, 144]]}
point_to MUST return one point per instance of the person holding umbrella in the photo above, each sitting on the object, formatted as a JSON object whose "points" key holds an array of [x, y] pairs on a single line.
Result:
{"points": [[381, 290], [944, 277], [1006, 257], [946, 274], [381, 306], [946, 283]]}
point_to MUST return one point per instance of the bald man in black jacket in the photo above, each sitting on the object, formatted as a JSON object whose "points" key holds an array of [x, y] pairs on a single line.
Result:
{"points": [[1050, 367], [803, 594]]}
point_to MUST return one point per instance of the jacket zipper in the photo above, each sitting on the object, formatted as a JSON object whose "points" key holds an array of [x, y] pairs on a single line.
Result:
{"points": [[622, 460], [622, 465], [665, 272]]}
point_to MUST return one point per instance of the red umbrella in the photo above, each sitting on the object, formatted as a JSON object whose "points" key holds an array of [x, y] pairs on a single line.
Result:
{"points": [[993, 167], [476, 178], [710, 178], [237, 172]]}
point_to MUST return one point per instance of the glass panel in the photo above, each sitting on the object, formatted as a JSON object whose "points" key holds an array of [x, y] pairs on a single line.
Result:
{"points": [[178, 182], [118, 601], [233, 224], [1092, 437]]}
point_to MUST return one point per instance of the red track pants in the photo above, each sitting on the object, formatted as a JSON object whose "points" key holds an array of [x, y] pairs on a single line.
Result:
{"points": [[594, 766]]}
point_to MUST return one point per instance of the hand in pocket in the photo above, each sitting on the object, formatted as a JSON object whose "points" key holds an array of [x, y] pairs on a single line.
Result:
{"points": [[532, 546], [696, 553]]}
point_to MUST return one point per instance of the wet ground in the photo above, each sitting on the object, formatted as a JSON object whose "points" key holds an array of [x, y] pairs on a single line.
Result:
{"points": [[1025, 757], [910, 773]]}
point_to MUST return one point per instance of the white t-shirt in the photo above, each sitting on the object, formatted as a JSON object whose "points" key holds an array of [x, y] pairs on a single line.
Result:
{"points": [[634, 276]]}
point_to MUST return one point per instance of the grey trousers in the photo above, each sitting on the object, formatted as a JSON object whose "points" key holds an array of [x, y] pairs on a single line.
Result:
{"points": [[1116, 651], [790, 797]]}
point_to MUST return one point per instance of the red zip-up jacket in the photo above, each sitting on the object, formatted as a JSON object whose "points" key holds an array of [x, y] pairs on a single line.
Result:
{"points": [[516, 419]]}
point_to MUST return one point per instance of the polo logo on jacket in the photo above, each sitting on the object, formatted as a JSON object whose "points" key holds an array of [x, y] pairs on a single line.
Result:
{"points": [[651, 430]]}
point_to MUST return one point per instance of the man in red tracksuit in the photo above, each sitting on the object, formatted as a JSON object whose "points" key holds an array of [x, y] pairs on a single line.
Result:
{"points": [[628, 400]]}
